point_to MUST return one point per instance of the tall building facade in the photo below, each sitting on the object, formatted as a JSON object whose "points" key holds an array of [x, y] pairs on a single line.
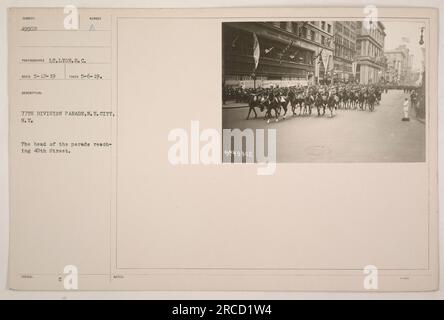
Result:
{"points": [[399, 62], [290, 53], [371, 63], [322, 33], [345, 50]]}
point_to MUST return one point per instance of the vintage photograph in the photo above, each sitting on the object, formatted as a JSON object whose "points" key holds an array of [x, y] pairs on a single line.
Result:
{"points": [[333, 91]]}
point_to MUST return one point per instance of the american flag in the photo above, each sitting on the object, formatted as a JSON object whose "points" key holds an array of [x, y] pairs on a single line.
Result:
{"points": [[256, 50]]}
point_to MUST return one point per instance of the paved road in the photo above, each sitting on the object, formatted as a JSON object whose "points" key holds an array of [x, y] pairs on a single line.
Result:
{"points": [[350, 136]]}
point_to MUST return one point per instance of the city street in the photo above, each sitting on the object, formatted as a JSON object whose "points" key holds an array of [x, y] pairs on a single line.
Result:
{"points": [[350, 136]]}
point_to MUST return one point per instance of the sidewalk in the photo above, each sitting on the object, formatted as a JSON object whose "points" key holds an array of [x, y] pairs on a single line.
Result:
{"points": [[234, 105]]}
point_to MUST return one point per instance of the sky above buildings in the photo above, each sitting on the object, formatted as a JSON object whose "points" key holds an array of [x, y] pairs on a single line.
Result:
{"points": [[407, 33]]}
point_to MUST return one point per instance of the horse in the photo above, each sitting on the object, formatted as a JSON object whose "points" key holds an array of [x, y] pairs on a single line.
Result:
{"points": [[283, 103], [253, 103], [293, 101], [309, 101], [333, 102], [362, 99], [272, 103], [371, 99], [378, 96], [321, 103], [340, 95], [297, 100], [346, 99]]}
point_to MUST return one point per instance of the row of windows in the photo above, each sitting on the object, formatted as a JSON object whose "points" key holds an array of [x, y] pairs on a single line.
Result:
{"points": [[373, 30], [346, 28], [293, 26], [345, 53], [366, 48], [325, 25], [343, 67], [312, 35], [242, 44], [349, 33], [341, 41]]}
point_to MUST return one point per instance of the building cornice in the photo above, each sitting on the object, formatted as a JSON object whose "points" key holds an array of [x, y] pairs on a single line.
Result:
{"points": [[294, 37], [370, 38]]}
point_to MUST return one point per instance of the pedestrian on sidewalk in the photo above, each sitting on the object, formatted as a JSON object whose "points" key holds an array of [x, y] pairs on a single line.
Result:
{"points": [[406, 110]]}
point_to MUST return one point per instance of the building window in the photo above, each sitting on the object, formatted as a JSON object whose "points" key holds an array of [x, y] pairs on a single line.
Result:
{"points": [[338, 26], [312, 35], [329, 28], [323, 25], [322, 40]]}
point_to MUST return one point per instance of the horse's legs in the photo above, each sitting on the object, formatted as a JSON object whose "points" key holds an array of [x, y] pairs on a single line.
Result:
{"points": [[276, 113], [255, 113], [268, 114], [285, 110]]}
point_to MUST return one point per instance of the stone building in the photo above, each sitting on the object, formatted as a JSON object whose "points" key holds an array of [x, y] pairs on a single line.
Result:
{"points": [[289, 53], [345, 50], [371, 63]]}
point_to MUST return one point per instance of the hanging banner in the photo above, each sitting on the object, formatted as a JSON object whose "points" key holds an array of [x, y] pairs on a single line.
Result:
{"points": [[256, 50], [324, 56], [330, 64], [354, 65], [325, 59], [317, 62]]}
